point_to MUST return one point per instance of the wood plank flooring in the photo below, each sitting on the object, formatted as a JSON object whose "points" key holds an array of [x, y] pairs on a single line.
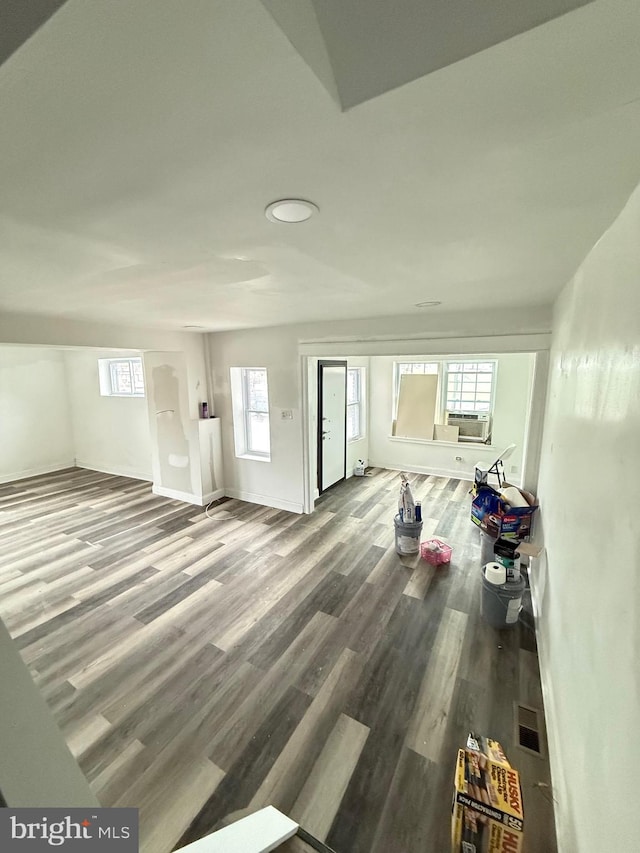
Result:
{"points": [[200, 666]]}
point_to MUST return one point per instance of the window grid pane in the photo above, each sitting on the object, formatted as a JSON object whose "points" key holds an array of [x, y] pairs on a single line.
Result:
{"points": [[430, 368], [353, 421], [258, 440], [138, 376], [256, 411], [121, 377], [353, 385], [126, 377], [469, 386], [257, 397], [418, 367]]}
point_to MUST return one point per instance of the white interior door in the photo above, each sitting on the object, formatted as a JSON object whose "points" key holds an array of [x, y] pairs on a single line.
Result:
{"points": [[332, 422]]}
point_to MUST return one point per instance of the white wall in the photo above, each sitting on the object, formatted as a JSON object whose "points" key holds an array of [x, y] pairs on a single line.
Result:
{"points": [[587, 586], [35, 427], [511, 410], [513, 390], [37, 766], [109, 433], [283, 482], [280, 482], [186, 348], [44, 331], [185, 451]]}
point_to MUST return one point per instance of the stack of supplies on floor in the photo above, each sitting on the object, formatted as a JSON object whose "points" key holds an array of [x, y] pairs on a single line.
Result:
{"points": [[507, 512], [406, 503], [487, 812], [408, 521]]}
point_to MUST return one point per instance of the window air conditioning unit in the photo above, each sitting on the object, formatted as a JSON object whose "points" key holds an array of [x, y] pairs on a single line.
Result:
{"points": [[473, 427]]}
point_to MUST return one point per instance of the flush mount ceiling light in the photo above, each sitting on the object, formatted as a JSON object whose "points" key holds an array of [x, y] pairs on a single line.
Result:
{"points": [[431, 304], [290, 210], [194, 328]]}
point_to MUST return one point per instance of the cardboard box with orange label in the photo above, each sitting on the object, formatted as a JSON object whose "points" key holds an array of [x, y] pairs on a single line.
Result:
{"points": [[487, 804]]}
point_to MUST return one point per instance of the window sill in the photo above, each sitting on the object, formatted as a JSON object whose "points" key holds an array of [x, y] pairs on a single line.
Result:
{"points": [[356, 440], [253, 457], [126, 396], [474, 444]]}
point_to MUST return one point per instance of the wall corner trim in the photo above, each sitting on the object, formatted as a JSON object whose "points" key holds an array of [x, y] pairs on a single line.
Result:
{"points": [[265, 500], [188, 497], [213, 496], [106, 469]]}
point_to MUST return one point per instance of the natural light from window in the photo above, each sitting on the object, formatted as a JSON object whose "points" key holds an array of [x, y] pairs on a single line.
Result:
{"points": [[444, 400], [121, 377], [250, 398], [469, 386], [256, 410], [355, 420]]}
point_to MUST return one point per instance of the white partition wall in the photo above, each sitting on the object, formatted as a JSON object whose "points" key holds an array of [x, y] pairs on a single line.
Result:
{"points": [[110, 433], [586, 585], [35, 426]]}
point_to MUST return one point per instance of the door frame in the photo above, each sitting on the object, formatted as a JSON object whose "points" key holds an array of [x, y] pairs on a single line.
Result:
{"points": [[323, 362]]}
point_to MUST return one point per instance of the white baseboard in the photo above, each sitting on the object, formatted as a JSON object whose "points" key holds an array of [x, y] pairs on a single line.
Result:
{"points": [[424, 469], [188, 497], [37, 472], [556, 763], [213, 496], [121, 471], [264, 500]]}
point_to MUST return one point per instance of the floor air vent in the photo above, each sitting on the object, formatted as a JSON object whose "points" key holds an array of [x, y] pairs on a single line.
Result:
{"points": [[528, 729]]}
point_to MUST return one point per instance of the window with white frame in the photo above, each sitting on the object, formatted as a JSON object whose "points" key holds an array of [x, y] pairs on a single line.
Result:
{"points": [[469, 386], [250, 397], [464, 387], [355, 413], [121, 377], [402, 367]]}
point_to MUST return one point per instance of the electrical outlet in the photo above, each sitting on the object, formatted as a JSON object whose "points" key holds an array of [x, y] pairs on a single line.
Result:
{"points": [[286, 414], [514, 469]]}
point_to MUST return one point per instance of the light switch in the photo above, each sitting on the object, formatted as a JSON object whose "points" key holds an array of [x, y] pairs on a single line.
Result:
{"points": [[286, 414]]}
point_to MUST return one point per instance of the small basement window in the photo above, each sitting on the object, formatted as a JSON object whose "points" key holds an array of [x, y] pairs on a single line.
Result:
{"points": [[121, 377]]}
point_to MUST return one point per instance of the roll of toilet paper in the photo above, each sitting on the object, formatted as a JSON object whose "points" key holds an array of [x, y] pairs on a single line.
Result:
{"points": [[495, 573], [513, 497]]}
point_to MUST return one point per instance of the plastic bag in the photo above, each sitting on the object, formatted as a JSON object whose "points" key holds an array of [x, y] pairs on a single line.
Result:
{"points": [[406, 503]]}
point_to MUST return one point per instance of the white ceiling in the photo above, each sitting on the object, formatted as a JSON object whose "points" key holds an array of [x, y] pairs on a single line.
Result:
{"points": [[18, 21], [140, 143], [362, 48]]}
